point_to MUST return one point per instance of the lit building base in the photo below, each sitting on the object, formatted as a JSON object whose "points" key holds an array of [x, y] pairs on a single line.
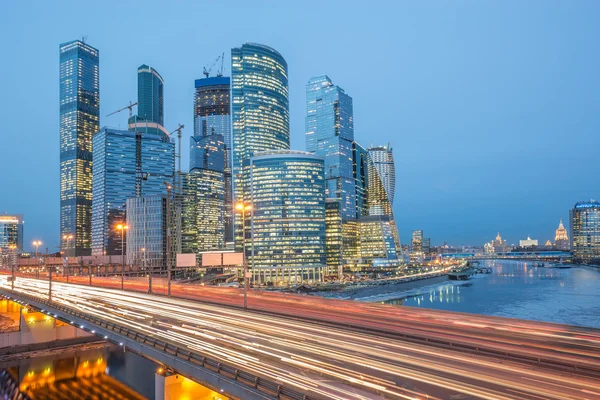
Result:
{"points": [[285, 276]]}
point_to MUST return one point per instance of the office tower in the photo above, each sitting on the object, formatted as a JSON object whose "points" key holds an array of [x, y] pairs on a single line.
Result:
{"points": [[146, 239], [11, 231], [259, 110], [377, 244], [561, 239], [120, 158], [426, 246], [383, 160], [150, 95], [333, 237], [79, 120], [330, 134], [585, 231], [417, 241], [287, 193], [360, 165], [212, 117]]}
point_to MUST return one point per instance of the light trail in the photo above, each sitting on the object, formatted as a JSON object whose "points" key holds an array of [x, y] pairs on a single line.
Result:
{"points": [[330, 361]]}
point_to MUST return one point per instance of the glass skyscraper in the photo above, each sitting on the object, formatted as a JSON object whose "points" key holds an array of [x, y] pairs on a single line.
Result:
{"points": [[259, 108], [150, 95], [377, 243], [147, 232], [118, 158], [330, 133], [287, 192], [585, 231], [79, 120], [383, 160], [210, 147]]}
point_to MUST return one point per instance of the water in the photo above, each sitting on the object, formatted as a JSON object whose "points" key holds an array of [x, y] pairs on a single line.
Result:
{"points": [[519, 290]]}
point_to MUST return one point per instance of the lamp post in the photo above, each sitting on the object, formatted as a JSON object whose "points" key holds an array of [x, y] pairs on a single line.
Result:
{"points": [[243, 207], [122, 228], [68, 239], [13, 258], [169, 187], [37, 244]]}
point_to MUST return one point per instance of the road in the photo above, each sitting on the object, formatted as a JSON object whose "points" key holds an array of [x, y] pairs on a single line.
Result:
{"points": [[335, 349]]}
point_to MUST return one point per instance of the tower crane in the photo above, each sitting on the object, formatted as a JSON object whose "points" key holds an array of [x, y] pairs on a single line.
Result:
{"points": [[130, 107], [206, 72]]}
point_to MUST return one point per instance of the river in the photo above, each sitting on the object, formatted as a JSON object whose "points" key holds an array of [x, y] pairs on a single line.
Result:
{"points": [[516, 289]]}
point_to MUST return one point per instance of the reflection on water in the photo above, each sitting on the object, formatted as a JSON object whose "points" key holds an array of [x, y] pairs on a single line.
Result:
{"points": [[96, 372], [517, 289]]}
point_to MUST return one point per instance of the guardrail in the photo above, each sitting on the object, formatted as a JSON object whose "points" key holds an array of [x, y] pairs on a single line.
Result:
{"points": [[229, 372]]}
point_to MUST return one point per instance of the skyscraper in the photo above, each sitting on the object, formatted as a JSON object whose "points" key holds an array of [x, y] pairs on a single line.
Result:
{"points": [[330, 134], [79, 120], [287, 192], [417, 245], [118, 158], [561, 239], [150, 95], [11, 231], [383, 159], [585, 231], [212, 123], [259, 107]]}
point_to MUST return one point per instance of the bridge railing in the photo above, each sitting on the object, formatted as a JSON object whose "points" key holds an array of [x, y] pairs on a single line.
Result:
{"points": [[271, 388]]}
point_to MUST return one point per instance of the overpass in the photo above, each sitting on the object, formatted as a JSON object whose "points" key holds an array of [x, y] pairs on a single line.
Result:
{"points": [[301, 347]]}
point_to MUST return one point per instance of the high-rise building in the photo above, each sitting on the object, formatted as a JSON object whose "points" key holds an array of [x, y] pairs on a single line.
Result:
{"points": [[360, 166], [207, 199], [150, 95], [119, 158], [79, 120], [330, 134], [377, 244], [561, 239], [212, 126], [383, 160], [426, 246], [11, 231], [259, 109], [287, 219], [585, 231], [417, 241]]}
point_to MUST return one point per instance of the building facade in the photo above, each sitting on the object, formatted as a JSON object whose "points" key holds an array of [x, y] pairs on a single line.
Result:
{"points": [[147, 232], [212, 117], [383, 160], [561, 238], [286, 226], [529, 242], [11, 231], [119, 156], [330, 133], [585, 231], [79, 120], [417, 246], [377, 244]]}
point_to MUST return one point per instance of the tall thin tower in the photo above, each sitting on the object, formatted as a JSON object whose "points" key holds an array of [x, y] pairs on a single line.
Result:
{"points": [[79, 120]]}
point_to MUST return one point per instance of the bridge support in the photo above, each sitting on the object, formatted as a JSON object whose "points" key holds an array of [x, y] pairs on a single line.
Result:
{"points": [[173, 387]]}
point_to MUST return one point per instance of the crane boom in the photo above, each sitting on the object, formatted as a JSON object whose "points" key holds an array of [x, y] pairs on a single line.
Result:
{"points": [[130, 107]]}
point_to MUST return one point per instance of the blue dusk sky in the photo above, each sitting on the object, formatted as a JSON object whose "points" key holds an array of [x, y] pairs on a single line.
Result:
{"points": [[492, 107]]}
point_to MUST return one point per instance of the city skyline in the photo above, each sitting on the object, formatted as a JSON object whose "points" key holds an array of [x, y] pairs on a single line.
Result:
{"points": [[457, 179]]}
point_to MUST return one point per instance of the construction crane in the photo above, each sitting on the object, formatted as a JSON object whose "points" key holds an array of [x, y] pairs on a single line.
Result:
{"points": [[206, 72], [179, 193], [130, 107]]}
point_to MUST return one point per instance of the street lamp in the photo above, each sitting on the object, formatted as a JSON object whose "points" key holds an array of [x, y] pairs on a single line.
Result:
{"points": [[243, 207], [169, 187], [37, 243], [12, 248], [122, 228]]}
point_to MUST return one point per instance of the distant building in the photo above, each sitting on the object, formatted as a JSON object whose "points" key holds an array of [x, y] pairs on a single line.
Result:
{"points": [[529, 242], [79, 120], [377, 245], [585, 231], [120, 158], [147, 232], [416, 254], [288, 217], [212, 117], [499, 244], [11, 231], [426, 246], [561, 239], [383, 159]]}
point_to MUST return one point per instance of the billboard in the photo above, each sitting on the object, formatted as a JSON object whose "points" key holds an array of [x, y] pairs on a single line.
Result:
{"points": [[186, 260]]}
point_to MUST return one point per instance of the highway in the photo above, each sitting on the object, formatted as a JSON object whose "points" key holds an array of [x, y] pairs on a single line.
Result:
{"points": [[335, 349]]}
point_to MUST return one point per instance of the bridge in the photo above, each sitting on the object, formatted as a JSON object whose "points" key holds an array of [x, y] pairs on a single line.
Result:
{"points": [[533, 255], [304, 347]]}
